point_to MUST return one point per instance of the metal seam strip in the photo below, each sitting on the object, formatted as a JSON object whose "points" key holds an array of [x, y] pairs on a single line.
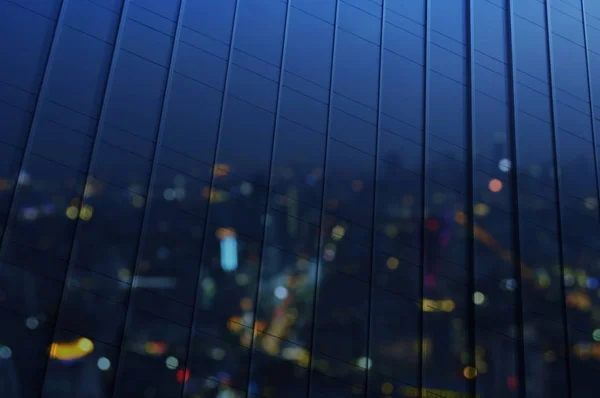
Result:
{"points": [[322, 216], [149, 194], [557, 189]]}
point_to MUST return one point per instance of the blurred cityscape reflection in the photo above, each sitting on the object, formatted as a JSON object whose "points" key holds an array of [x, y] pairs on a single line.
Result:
{"points": [[299, 198]]}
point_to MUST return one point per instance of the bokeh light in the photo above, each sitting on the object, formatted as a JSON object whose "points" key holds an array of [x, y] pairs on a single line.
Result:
{"points": [[495, 185]]}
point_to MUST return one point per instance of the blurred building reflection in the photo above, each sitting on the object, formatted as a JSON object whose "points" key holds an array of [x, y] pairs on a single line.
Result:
{"points": [[299, 198]]}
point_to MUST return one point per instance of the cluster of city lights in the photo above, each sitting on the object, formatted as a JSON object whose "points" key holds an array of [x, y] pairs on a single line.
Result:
{"points": [[270, 331]]}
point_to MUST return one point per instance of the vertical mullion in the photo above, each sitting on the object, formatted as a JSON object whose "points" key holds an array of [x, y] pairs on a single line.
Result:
{"points": [[212, 182], [97, 139], [591, 99], [34, 123], [268, 201], [424, 191], [153, 171], [514, 170], [557, 191], [374, 213], [322, 215], [471, 383]]}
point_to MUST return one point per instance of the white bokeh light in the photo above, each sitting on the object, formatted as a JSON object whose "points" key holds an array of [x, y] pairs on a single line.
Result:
{"points": [[281, 292], [505, 165], [32, 322], [103, 364], [172, 363]]}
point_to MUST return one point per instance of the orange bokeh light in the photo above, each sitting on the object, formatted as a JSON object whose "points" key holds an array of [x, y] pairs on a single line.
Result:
{"points": [[495, 185]]}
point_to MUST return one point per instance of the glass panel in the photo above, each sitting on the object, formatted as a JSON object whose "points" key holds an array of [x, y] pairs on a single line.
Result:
{"points": [[269, 213]]}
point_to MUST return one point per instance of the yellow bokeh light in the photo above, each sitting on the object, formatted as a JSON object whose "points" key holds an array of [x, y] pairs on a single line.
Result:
{"points": [[391, 230], [481, 209], [392, 263], [448, 305], [429, 305], [543, 281], [470, 372], [86, 212], [124, 274], [478, 298], [482, 367], [221, 170], [213, 195], [271, 345], [137, 201], [387, 388], [72, 212], [291, 353], [234, 324], [68, 351], [85, 345], [338, 232], [303, 358]]}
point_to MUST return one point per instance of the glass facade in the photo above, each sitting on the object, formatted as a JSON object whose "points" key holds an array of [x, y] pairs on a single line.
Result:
{"points": [[299, 198]]}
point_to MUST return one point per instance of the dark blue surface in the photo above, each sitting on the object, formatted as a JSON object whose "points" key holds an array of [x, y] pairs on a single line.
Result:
{"points": [[409, 181]]}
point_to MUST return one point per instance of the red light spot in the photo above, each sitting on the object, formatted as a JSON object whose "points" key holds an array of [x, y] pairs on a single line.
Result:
{"points": [[433, 224], [183, 375], [512, 382]]}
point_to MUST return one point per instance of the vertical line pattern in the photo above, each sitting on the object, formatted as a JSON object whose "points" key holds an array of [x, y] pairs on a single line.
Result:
{"points": [[268, 200], [321, 221], [470, 195], [97, 139], [11, 214], [424, 191], [557, 190], [591, 98], [471, 383], [514, 152], [153, 170], [374, 213], [212, 182]]}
